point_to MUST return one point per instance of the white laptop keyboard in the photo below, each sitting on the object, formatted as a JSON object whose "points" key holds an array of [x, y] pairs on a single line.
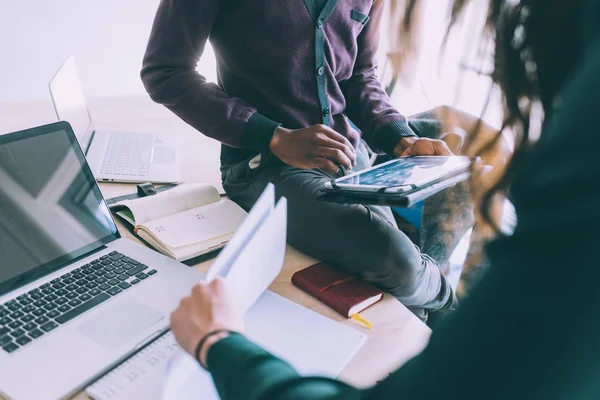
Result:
{"points": [[127, 155], [44, 308]]}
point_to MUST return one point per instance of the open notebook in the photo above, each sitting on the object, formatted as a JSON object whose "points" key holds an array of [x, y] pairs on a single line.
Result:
{"points": [[185, 222]]}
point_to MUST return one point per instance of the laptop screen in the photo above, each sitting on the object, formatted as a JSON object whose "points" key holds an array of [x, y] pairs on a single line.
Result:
{"points": [[51, 210], [69, 101]]}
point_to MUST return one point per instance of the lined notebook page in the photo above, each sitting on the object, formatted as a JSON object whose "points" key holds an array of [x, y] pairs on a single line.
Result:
{"points": [[140, 377], [197, 225]]}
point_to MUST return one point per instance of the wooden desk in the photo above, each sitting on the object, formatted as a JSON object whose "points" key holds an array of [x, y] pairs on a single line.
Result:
{"points": [[397, 335]]}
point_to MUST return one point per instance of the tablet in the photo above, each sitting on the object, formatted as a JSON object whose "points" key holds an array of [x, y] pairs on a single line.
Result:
{"points": [[402, 175]]}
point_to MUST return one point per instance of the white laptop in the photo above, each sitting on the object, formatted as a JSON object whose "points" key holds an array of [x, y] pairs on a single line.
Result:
{"points": [[112, 156], [75, 298]]}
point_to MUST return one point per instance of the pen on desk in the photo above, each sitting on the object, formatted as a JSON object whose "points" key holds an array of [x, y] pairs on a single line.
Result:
{"points": [[359, 318]]}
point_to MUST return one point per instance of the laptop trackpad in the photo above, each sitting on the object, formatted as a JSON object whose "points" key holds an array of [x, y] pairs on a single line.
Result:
{"points": [[120, 323], [163, 155]]}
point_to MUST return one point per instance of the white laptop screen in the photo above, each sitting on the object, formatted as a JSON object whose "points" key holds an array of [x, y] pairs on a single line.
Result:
{"points": [[69, 102], [51, 210]]}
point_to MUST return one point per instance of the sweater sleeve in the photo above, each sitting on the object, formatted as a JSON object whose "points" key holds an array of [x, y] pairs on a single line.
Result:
{"points": [[368, 106], [178, 38], [242, 370]]}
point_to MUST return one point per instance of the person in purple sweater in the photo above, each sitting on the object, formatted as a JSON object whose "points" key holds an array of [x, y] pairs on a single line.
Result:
{"points": [[292, 75]]}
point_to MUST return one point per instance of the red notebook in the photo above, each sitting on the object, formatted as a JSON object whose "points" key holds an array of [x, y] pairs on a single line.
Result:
{"points": [[346, 294]]}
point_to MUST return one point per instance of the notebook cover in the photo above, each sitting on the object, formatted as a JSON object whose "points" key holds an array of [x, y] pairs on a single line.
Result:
{"points": [[335, 288]]}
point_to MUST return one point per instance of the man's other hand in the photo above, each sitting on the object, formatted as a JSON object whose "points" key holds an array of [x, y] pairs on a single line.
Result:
{"points": [[317, 146], [415, 146]]}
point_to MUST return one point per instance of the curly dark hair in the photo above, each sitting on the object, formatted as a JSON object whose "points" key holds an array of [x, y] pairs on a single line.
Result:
{"points": [[538, 43]]}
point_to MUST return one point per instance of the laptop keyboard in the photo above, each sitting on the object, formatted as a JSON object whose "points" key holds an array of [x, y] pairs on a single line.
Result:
{"points": [[127, 155], [41, 310]]}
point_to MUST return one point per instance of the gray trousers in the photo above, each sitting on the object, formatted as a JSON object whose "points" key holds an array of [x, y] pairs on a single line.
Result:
{"points": [[363, 240]]}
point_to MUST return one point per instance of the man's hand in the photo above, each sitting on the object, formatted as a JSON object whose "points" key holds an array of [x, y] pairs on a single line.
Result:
{"points": [[415, 146], [317, 146]]}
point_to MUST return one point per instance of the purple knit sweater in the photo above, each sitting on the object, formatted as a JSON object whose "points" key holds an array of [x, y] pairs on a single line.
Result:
{"points": [[291, 62]]}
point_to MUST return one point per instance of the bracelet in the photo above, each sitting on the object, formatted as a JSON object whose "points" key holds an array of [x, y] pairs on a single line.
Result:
{"points": [[204, 339]]}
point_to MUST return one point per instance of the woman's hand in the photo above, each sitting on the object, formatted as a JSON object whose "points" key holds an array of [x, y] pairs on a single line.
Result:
{"points": [[210, 307]]}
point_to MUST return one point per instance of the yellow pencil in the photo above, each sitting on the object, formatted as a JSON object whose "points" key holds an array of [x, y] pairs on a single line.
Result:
{"points": [[359, 318]]}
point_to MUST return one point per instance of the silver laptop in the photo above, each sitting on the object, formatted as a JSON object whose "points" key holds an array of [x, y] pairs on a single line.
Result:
{"points": [[75, 298], [113, 156]]}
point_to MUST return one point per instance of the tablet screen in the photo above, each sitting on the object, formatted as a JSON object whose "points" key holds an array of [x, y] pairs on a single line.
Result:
{"points": [[407, 171]]}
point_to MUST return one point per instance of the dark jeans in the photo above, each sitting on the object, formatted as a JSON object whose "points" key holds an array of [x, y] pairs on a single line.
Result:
{"points": [[362, 240]]}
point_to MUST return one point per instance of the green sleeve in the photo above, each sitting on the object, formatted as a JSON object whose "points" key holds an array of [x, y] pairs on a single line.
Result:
{"points": [[242, 370], [530, 329]]}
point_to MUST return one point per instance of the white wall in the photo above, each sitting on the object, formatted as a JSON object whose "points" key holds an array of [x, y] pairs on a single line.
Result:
{"points": [[437, 78], [108, 37]]}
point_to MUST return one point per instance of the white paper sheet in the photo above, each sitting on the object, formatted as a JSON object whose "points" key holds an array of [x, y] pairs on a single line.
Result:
{"points": [[262, 208], [261, 260]]}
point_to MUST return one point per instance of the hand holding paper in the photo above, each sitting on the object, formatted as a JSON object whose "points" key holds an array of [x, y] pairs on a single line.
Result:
{"points": [[209, 308], [254, 257], [311, 343], [244, 270]]}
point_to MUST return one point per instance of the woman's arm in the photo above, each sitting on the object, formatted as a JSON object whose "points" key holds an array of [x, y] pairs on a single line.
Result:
{"points": [[242, 370], [529, 330], [209, 319]]}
